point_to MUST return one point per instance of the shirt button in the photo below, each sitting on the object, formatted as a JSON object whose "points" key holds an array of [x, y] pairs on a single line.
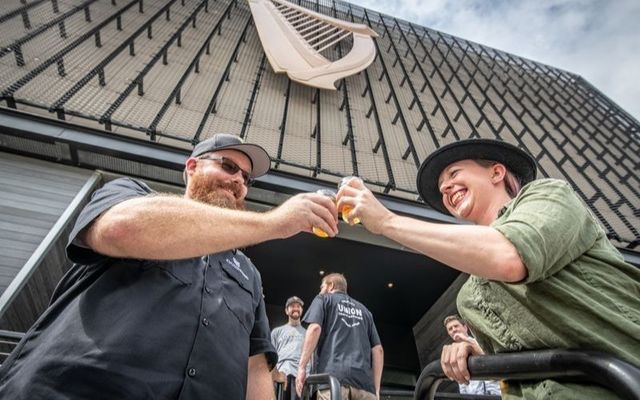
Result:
{"points": [[192, 372], [205, 322], [207, 289]]}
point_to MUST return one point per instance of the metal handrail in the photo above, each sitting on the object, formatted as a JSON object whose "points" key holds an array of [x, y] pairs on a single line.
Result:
{"points": [[315, 379], [279, 389], [600, 368], [8, 341]]}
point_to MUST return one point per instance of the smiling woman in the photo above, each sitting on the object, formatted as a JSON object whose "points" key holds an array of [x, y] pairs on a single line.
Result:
{"points": [[543, 273]]}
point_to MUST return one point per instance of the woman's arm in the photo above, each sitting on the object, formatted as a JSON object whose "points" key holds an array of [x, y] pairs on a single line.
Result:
{"points": [[476, 250]]}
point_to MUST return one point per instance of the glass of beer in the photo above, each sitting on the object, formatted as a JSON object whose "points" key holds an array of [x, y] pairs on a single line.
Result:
{"points": [[332, 195], [346, 210]]}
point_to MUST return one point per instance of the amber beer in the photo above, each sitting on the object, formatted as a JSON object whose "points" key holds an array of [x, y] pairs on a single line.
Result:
{"points": [[332, 195], [346, 210]]}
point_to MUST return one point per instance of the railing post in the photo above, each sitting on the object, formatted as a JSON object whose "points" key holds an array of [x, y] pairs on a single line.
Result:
{"points": [[334, 385]]}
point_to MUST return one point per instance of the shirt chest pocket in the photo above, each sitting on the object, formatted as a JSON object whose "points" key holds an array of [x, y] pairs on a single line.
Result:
{"points": [[181, 272], [237, 293]]}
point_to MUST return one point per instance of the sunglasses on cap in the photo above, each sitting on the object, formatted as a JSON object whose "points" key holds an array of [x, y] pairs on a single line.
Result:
{"points": [[230, 168]]}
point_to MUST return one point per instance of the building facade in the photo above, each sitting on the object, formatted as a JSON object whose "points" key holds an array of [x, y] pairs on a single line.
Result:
{"points": [[97, 89]]}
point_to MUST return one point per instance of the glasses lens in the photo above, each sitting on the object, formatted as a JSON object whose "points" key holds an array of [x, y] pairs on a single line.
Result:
{"points": [[231, 168]]}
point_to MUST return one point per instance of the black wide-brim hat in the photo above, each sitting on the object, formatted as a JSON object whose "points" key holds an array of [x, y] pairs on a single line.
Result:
{"points": [[518, 161]]}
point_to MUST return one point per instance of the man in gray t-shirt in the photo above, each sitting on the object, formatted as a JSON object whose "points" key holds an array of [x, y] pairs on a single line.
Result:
{"points": [[288, 339]]}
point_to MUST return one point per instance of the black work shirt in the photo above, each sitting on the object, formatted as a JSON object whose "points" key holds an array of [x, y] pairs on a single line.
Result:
{"points": [[347, 336], [140, 329]]}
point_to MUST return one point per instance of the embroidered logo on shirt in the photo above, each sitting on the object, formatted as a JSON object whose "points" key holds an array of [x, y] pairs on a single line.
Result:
{"points": [[236, 265]]}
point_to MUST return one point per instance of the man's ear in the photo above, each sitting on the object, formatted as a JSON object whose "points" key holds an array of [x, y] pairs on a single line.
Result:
{"points": [[498, 172], [190, 167]]}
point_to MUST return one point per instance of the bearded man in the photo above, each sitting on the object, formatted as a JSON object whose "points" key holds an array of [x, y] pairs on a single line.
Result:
{"points": [[287, 340], [160, 304]]}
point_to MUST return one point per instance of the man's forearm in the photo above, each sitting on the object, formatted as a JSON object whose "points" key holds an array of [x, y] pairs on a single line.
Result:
{"points": [[474, 249], [170, 227], [377, 363], [259, 383], [310, 343]]}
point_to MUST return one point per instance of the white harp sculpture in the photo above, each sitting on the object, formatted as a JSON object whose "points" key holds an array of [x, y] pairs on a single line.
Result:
{"points": [[293, 38]]}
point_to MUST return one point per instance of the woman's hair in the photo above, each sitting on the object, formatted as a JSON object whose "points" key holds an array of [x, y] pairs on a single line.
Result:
{"points": [[512, 182]]}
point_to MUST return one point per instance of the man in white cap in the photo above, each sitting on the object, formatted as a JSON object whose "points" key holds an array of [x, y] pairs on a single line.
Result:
{"points": [[288, 339], [160, 304]]}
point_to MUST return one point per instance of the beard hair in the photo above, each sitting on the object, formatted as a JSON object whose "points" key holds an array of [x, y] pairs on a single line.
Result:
{"points": [[206, 190]]}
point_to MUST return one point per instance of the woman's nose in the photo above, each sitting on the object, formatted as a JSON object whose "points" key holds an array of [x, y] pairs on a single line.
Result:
{"points": [[445, 186]]}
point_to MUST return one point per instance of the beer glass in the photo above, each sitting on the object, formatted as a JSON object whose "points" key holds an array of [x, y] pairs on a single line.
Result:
{"points": [[332, 195], [346, 210]]}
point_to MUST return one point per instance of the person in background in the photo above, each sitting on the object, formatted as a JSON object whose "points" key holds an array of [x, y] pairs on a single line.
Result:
{"points": [[342, 331], [459, 332], [287, 340]]}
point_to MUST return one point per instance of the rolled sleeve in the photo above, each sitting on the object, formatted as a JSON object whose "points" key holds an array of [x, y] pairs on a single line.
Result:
{"points": [[374, 338], [109, 195], [549, 226], [260, 339]]}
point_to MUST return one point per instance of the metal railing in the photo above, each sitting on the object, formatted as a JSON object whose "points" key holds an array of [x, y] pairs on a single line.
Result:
{"points": [[594, 367], [8, 342], [319, 379]]}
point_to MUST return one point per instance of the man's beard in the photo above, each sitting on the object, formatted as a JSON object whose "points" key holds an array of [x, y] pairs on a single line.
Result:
{"points": [[294, 316], [208, 190]]}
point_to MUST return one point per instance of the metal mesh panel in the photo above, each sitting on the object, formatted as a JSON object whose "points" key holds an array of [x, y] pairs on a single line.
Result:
{"points": [[57, 151], [128, 167]]}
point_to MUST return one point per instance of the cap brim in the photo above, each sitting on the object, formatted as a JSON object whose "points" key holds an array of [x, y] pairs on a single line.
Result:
{"points": [[260, 160], [515, 159]]}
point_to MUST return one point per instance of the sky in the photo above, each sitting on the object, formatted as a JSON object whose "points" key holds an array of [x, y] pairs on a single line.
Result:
{"points": [[596, 39]]}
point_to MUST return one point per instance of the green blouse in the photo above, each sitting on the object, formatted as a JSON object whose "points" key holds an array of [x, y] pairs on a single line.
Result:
{"points": [[579, 292]]}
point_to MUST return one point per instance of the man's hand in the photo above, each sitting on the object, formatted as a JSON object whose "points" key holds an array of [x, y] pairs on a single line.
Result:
{"points": [[454, 361], [464, 338], [279, 377], [300, 379], [461, 337], [304, 211], [364, 205]]}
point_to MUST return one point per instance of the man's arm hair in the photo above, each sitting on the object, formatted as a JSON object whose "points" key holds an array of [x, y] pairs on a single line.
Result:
{"points": [[166, 227], [163, 227], [377, 362], [259, 382]]}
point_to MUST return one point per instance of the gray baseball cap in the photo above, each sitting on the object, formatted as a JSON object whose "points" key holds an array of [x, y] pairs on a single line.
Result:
{"points": [[260, 160], [294, 299]]}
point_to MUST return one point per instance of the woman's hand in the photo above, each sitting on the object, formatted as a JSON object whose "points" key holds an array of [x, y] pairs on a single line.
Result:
{"points": [[364, 205]]}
